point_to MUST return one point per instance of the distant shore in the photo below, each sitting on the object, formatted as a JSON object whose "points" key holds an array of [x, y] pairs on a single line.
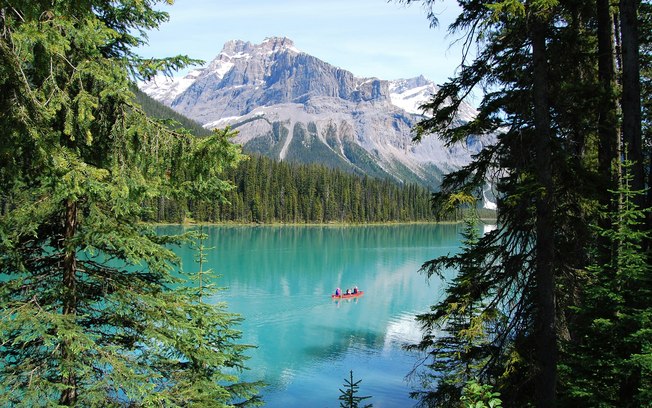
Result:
{"points": [[190, 223]]}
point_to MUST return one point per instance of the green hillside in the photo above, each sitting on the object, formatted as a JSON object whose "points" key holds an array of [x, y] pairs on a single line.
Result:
{"points": [[157, 110]]}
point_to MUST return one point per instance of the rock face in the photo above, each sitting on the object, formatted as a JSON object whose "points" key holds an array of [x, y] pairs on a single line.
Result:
{"points": [[290, 105]]}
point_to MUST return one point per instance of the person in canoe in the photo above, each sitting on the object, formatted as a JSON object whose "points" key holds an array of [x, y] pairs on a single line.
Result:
{"points": [[348, 293]]}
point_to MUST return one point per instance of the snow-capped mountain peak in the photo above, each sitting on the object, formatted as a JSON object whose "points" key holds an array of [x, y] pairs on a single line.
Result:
{"points": [[240, 50], [278, 44], [290, 105], [410, 94], [166, 89]]}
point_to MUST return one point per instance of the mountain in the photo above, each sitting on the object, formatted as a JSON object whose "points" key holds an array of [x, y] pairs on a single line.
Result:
{"points": [[157, 110], [292, 106]]}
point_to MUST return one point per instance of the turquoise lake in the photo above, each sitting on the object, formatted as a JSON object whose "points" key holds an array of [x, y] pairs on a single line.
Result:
{"points": [[280, 278]]}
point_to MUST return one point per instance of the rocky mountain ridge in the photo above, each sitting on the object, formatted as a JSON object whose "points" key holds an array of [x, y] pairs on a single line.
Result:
{"points": [[290, 105]]}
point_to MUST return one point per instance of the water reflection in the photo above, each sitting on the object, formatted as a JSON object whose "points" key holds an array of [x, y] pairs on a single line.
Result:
{"points": [[280, 279]]}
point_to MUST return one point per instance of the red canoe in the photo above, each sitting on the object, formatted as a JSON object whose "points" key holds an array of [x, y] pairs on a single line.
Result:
{"points": [[345, 296]]}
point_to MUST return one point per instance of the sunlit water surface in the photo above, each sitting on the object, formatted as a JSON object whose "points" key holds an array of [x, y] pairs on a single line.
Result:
{"points": [[280, 280]]}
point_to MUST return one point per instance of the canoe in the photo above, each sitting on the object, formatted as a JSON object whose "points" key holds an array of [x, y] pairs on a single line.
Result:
{"points": [[345, 296]]}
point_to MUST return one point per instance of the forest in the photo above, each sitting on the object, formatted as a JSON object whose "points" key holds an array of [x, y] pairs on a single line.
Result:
{"points": [[552, 308], [268, 191]]}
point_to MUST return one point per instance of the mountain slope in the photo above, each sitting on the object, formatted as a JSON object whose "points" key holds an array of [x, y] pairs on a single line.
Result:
{"points": [[157, 110], [289, 105]]}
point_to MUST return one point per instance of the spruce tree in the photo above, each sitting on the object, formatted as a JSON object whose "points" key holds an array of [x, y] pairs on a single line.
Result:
{"points": [[609, 363], [209, 376], [464, 333], [349, 395], [90, 310], [539, 64]]}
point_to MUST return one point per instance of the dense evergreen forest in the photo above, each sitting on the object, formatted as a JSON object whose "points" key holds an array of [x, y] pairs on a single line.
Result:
{"points": [[268, 191], [155, 109], [554, 307]]}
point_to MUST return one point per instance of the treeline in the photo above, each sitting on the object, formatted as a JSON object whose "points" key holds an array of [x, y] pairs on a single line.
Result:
{"points": [[269, 191]]}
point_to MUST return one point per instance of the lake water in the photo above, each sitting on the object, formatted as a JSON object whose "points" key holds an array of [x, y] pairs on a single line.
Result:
{"points": [[280, 278]]}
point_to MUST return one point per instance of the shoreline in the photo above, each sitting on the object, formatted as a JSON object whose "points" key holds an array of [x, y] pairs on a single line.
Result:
{"points": [[302, 224]]}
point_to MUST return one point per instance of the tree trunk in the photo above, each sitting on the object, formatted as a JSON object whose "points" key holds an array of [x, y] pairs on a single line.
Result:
{"points": [[161, 209], [546, 341], [608, 106], [69, 394], [631, 96], [648, 241], [608, 127], [632, 133]]}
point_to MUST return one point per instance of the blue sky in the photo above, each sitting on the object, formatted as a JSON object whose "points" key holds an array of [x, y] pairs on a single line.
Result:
{"points": [[377, 38]]}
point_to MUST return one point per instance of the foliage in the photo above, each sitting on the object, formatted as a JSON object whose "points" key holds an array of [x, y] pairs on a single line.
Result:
{"points": [[477, 395], [463, 333], [349, 397], [268, 191], [610, 363], [156, 109], [91, 311], [549, 76], [204, 381]]}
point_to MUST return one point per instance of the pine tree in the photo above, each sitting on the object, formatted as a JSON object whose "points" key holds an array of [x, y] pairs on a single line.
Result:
{"points": [[539, 64], [349, 397], [610, 363], [209, 376], [463, 333], [90, 311]]}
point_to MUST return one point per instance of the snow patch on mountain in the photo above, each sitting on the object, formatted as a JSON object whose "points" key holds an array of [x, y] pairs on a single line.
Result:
{"points": [[410, 94], [164, 88], [412, 99], [221, 122]]}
